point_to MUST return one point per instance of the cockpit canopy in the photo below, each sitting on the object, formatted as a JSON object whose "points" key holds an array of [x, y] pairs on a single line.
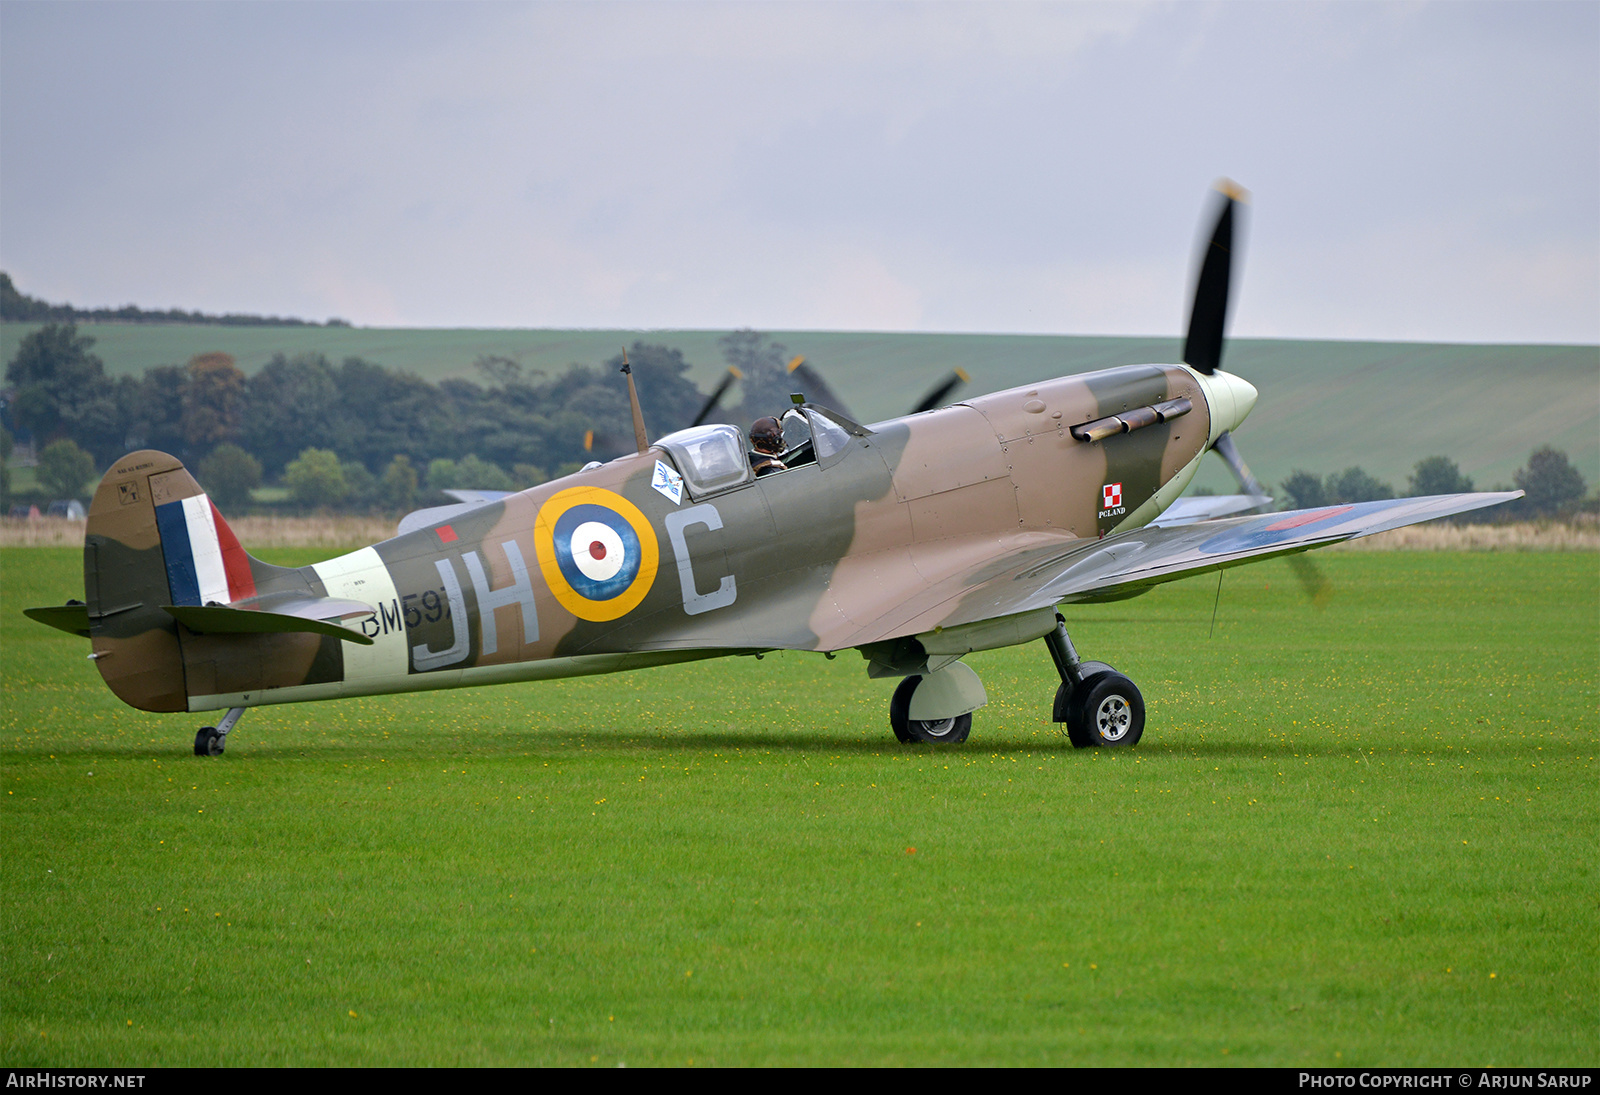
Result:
{"points": [[711, 458], [716, 457]]}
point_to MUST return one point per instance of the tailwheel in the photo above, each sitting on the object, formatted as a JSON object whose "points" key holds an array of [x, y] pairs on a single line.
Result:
{"points": [[949, 731], [209, 741]]}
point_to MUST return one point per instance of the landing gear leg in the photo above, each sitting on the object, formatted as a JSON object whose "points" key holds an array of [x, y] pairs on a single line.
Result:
{"points": [[1098, 705], [209, 741]]}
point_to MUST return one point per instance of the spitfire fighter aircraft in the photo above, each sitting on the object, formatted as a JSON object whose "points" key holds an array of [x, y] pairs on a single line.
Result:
{"points": [[914, 541]]}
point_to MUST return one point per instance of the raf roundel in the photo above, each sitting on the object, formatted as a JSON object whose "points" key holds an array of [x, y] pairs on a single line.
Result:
{"points": [[597, 552]]}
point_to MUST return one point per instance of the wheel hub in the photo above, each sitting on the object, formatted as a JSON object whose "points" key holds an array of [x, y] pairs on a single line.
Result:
{"points": [[1113, 718]]}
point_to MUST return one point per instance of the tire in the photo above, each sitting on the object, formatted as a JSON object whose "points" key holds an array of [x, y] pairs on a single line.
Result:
{"points": [[952, 731], [1110, 711], [1092, 669], [1069, 715], [207, 742], [898, 706]]}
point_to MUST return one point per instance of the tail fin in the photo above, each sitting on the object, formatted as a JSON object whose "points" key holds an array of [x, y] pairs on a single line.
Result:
{"points": [[154, 539]]}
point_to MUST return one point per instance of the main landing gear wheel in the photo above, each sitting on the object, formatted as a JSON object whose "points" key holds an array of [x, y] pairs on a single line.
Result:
{"points": [[1098, 705], [951, 731], [1106, 709]]}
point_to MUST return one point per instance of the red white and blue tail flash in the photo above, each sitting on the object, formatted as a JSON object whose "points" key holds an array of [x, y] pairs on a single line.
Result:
{"points": [[205, 564]]}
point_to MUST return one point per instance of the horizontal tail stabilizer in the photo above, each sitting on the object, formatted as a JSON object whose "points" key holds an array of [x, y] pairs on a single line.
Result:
{"points": [[282, 613], [73, 619]]}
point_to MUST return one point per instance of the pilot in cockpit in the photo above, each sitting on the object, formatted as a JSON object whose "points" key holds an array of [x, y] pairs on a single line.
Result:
{"points": [[766, 444]]}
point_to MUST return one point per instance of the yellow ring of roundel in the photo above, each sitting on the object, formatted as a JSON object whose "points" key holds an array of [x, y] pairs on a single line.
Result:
{"points": [[544, 544]]}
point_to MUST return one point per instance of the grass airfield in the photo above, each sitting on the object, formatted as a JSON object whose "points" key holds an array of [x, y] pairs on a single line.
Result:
{"points": [[1362, 835]]}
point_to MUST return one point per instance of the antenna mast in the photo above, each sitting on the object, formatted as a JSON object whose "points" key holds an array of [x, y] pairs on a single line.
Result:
{"points": [[633, 399]]}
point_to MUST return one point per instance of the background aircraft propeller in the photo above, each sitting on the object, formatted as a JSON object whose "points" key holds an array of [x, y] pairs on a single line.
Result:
{"points": [[940, 393], [715, 398], [817, 390]]}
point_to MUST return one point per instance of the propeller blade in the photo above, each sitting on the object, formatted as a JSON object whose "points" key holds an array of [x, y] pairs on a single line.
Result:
{"points": [[1311, 578], [938, 394], [717, 393], [601, 445], [815, 387], [1208, 316], [1248, 483]]}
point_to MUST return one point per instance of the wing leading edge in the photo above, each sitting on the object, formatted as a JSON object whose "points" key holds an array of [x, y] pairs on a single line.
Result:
{"points": [[1129, 563]]}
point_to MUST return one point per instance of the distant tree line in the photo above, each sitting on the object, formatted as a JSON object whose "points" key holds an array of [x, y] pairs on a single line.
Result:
{"points": [[1552, 485], [356, 435], [16, 307], [362, 437]]}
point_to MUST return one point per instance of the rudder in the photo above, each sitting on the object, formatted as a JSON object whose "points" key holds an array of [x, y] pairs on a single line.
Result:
{"points": [[154, 539]]}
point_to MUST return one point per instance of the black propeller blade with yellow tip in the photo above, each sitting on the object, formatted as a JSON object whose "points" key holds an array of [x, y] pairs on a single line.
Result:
{"points": [[815, 388], [599, 445], [714, 400], [940, 393]]}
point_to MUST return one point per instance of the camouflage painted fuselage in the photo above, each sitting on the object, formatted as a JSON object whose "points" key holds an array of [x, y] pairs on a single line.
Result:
{"points": [[897, 534]]}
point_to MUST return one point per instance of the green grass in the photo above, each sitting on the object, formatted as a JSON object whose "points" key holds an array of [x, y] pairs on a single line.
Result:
{"points": [[1357, 836], [1324, 405]]}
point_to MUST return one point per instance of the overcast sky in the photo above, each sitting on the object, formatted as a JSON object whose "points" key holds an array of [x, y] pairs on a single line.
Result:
{"points": [[1419, 171]]}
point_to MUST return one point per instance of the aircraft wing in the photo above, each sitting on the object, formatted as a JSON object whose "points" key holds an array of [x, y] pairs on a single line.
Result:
{"points": [[1129, 563], [461, 495], [1205, 507], [465, 500], [1041, 575], [1132, 562]]}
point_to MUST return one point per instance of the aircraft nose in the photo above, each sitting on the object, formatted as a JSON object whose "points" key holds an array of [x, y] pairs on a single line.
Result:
{"points": [[1231, 399]]}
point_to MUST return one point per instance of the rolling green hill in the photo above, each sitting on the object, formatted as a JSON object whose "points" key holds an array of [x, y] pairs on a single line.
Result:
{"points": [[1324, 405]]}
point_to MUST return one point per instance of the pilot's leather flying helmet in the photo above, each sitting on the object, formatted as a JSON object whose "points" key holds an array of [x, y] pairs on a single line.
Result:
{"points": [[766, 435]]}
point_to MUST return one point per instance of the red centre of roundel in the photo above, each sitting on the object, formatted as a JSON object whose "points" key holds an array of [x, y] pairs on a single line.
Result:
{"points": [[597, 549]]}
